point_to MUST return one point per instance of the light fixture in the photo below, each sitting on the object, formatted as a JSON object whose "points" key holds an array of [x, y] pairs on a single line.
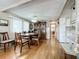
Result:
{"points": [[34, 21]]}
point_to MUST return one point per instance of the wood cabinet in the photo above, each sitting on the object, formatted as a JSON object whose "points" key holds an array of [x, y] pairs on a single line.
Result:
{"points": [[41, 26]]}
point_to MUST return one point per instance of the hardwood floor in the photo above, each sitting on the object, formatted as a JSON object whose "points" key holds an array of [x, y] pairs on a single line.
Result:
{"points": [[56, 50], [48, 49], [36, 52]]}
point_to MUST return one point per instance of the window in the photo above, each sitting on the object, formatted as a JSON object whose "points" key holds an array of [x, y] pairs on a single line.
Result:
{"points": [[19, 25], [25, 26]]}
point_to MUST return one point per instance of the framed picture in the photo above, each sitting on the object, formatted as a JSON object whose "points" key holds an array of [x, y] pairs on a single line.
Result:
{"points": [[3, 22]]}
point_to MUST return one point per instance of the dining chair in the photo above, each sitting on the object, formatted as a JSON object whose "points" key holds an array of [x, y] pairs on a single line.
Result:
{"points": [[36, 38], [5, 39], [21, 41]]}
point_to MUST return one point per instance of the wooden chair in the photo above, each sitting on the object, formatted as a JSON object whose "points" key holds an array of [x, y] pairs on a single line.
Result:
{"points": [[22, 41], [36, 38], [5, 39]]}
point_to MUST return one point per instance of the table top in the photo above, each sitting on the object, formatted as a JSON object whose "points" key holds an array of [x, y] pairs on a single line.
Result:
{"points": [[28, 34]]}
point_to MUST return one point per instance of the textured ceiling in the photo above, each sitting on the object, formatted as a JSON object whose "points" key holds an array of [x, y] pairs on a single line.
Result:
{"points": [[6, 4], [39, 9]]}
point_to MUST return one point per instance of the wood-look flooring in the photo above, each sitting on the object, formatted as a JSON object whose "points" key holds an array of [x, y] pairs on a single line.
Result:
{"points": [[48, 49]]}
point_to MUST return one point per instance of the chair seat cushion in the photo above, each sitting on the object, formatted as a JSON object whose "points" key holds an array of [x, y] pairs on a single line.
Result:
{"points": [[7, 41]]}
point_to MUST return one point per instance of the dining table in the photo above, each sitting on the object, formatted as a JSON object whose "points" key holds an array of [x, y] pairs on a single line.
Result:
{"points": [[30, 35]]}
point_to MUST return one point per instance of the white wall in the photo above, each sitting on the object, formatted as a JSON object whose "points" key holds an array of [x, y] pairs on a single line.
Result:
{"points": [[11, 27], [64, 21], [62, 24], [6, 17], [4, 29], [47, 30], [62, 34]]}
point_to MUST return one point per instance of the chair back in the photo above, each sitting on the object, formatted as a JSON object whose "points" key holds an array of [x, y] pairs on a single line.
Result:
{"points": [[4, 36], [18, 37], [39, 35]]}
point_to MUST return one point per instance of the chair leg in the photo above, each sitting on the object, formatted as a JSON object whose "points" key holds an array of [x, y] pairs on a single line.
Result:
{"points": [[28, 44], [38, 42], [0, 44], [21, 48], [8, 44], [4, 47], [15, 44]]}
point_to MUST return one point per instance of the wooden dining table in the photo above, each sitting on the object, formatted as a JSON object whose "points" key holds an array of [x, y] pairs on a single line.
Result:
{"points": [[30, 35]]}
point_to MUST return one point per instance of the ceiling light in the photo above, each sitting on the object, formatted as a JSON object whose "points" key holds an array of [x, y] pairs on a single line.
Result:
{"points": [[34, 21]]}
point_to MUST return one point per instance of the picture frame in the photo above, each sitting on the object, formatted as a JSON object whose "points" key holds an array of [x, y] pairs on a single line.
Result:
{"points": [[3, 22]]}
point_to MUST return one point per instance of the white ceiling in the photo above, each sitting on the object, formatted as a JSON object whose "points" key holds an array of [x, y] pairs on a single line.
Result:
{"points": [[7, 4], [36, 9]]}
